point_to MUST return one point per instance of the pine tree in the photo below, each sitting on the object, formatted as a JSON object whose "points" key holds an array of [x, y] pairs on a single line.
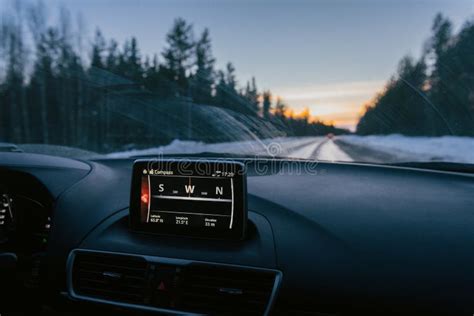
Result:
{"points": [[401, 108], [112, 59], [230, 78], [442, 33], [266, 104], [178, 55], [451, 79], [43, 81], [227, 94], [134, 61], [129, 61], [98, 49], [12, 107], [221, 86], [203, 79], [280, 108], [69, 82], [251, 95]]}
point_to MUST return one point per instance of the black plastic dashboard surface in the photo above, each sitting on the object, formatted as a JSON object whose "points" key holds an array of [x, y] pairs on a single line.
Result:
{"points": [[348, 238]]}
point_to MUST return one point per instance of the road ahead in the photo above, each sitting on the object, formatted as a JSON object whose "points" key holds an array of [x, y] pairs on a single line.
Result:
{"points": [[321, 148], [333, 149], [372, 149], [312, 148]]}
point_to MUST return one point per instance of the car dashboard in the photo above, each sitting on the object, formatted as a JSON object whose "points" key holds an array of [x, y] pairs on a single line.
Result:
{"points": [[321, 239]]}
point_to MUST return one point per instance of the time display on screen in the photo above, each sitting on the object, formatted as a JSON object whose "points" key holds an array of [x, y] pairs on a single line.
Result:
{"points": [[203, 199]]}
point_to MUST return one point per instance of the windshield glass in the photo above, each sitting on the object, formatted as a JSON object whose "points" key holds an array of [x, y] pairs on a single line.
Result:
{"points": [[368, 81]]}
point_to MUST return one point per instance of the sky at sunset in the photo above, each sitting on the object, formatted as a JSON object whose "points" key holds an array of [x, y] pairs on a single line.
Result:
{"points": [[329, 56]]}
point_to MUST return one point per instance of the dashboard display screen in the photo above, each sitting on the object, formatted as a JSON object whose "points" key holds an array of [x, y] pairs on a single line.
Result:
{"points": [[198, 198]]}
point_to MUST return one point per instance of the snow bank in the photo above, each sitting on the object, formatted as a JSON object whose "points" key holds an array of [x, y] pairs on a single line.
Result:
{"points": [[281, 147], [420, 148], [401, 148]]}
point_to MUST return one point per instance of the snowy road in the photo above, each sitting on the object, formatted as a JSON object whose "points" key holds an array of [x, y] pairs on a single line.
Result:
{"points": [[314, 148], [330, 151], [376, 149], [321, 148]]}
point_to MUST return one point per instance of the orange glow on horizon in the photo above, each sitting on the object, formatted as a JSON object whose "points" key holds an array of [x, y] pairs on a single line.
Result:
{"points": [[345, 119], [336, 119], [341, 104], [291, 113], [342, 119]]}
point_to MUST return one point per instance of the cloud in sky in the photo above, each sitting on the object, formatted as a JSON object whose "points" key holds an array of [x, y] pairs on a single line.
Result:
{"points": [[340, 103]]}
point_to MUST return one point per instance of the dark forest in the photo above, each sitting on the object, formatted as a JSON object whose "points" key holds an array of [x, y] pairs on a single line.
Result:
{"points": [[57, 87], [431, 96]]}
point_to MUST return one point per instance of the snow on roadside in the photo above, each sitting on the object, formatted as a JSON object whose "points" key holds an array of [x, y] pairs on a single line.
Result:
{"points": [[402, 148], [419, 148], [281, 146]]}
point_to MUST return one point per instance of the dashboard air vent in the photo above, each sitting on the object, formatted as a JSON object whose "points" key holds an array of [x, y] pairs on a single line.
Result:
{"points": [[111, 277], [219, 290], [165, 284]]}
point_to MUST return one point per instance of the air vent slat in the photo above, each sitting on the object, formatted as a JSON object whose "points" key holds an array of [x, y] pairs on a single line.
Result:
{"points": [[222, 309], [188, 287], [212, 289], [105, 284], [227, 290], [211, 298], [110, 277], [95, 266], [113, 292], [231, 279], [94, 274]]}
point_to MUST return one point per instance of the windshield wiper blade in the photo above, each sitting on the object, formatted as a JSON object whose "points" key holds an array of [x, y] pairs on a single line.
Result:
{"points": [[9, 147], [438, 165]]}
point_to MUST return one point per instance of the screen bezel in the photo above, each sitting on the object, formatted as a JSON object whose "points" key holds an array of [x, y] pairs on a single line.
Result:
{"points": [[191, 165]]}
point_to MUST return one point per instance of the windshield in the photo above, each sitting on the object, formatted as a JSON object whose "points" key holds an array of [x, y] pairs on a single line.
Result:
{"points": [[368, 81]]}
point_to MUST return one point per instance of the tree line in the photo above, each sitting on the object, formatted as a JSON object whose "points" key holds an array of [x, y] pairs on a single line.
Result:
{"points": [[430, 96], [57, 87]]}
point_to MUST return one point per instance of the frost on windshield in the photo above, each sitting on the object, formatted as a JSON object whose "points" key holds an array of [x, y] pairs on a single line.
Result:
{"points": [[81, 95], [108, 97]]}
